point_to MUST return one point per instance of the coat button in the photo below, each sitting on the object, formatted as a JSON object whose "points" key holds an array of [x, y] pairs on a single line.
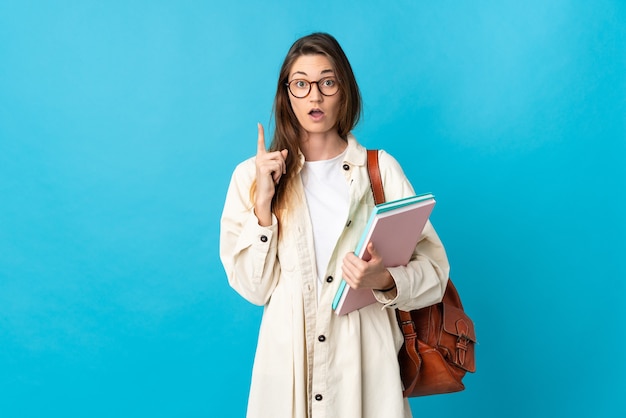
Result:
{"points": [[321, 338], [318, 397], [346, 167], [263, 238], [329, 279]]}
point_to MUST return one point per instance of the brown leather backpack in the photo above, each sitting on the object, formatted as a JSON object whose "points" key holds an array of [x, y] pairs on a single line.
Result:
{"points": [[439, 340]]}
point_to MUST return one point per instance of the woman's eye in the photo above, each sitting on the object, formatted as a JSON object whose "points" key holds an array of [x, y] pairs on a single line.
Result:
{"points": [[329, 82], [301, 84]]}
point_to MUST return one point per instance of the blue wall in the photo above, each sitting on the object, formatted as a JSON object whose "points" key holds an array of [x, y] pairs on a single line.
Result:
{"points": [[121, 121]]}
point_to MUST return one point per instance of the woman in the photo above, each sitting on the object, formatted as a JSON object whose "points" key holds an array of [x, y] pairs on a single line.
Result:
{"points": [[292, 219]]}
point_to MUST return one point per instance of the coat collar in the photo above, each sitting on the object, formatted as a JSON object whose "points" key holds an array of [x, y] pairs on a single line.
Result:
{"points": [[356, 154]]}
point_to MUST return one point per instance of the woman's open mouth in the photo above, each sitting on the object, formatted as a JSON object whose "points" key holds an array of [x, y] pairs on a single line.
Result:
{"points": [[316, 114]]}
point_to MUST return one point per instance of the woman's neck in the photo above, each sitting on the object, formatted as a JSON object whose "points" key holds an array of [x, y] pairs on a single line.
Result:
{"points": [[322, 146]]}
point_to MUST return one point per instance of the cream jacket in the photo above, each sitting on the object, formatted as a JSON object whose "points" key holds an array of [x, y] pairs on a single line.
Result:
{"points": [[311, 363]]}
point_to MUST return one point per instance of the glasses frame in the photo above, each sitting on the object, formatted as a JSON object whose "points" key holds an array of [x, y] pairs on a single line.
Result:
{"points": [[288, 84]]}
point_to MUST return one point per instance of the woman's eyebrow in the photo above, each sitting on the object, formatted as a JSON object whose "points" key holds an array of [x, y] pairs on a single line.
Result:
{"points": [[330, 70]]}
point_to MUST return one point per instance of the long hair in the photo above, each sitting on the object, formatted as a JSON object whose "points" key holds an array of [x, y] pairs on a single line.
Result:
{"points": [[288, 130]]}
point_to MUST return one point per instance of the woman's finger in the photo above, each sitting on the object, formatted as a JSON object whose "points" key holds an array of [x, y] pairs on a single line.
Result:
{"points": [[260, 145]]}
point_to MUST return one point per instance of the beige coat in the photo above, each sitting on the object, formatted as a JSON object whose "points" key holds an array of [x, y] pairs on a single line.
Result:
{"points": [[311, 363]]}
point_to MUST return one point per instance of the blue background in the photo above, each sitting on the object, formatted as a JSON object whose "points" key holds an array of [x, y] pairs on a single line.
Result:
{"points": [[120, 124]]}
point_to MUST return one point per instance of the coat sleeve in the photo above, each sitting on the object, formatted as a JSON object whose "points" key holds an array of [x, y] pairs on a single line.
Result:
{"points": [[423, 280], [247, 250]]}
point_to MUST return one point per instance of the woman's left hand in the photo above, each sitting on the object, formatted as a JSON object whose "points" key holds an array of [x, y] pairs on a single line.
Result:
{"points": [[370, 274]]}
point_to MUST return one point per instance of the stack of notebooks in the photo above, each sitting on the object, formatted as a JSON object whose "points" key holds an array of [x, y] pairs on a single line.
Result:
{"points": [[394, 228]]}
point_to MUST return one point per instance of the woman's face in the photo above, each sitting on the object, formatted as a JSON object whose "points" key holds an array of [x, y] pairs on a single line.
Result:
{"points": [[317, 113]]}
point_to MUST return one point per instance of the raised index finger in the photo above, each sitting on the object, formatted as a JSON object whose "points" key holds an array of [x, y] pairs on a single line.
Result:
{"points": [[260, 149]]}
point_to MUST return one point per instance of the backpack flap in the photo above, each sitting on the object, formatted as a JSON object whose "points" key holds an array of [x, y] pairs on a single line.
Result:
{"points": [[462, 338]]}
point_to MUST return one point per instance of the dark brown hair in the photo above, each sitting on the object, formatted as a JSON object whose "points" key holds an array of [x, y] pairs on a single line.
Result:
{"points": [[288, 130]]}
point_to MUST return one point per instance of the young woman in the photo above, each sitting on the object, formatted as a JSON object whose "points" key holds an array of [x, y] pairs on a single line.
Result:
{"points": [[292, 219]]}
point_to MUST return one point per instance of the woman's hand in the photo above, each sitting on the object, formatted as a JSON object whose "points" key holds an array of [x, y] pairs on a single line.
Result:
{"points": [[270, 167], [370, 274]]}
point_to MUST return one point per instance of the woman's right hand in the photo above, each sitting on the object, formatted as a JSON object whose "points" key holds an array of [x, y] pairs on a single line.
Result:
{"points": [[270, 167]]}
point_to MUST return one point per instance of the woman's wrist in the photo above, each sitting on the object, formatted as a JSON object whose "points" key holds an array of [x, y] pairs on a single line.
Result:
{"points": [[388, 289], [390, 285], [264, 217], [263, 212]]}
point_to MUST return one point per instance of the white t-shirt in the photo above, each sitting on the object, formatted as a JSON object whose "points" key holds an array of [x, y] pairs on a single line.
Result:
{"points": [[328, 201]]}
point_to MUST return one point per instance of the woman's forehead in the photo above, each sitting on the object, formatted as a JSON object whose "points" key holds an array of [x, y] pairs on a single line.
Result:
{"points": [[311, 66]]}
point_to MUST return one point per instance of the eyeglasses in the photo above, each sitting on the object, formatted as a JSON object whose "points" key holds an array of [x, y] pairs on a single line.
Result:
{"points": [[299, 88]]}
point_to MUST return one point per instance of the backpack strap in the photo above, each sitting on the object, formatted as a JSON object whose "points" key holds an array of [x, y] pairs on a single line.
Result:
{"points": [[412, 359], [375, 178]]}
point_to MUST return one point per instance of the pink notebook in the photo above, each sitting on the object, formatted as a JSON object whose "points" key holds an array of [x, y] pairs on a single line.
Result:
{"points": [[395, 229]]}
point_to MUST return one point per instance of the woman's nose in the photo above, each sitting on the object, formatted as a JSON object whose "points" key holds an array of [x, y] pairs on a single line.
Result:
{"points": [[315, 94]]}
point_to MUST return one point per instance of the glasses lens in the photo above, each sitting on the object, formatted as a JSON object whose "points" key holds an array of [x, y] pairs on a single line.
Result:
{"points": [[328, 86], [299, 88]]}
